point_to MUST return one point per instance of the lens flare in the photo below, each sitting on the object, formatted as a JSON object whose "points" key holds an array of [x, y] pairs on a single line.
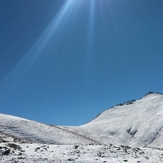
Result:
{"points": [[18, 72]]}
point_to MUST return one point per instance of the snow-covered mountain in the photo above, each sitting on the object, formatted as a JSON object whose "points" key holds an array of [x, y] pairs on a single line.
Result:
{"points": [[132, 131], [135, 123]]}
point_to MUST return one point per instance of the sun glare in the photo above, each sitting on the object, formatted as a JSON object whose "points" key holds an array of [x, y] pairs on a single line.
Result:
{"points": [[57, 21], [35, 51]]}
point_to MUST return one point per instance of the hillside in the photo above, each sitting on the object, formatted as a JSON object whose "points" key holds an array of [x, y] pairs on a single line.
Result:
{"points": [[134, 123], [39, 132], [129, 132]]}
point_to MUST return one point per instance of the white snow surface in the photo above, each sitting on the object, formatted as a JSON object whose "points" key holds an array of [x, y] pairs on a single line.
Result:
{"points": [[18, 152], [130, 132]]}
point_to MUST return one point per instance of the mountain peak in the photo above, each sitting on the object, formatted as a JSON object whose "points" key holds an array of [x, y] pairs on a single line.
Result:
{"points": [[152, 94], [149, 93], [132, 101]]}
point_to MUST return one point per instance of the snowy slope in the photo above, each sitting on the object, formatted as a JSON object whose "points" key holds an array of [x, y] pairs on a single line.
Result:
{"points": [[38, 132], [130, 132], [135, 123]]}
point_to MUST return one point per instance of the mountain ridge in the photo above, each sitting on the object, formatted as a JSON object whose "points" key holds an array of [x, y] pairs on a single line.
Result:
{"points": [[135, 123], [131, 132], [129, 102]]}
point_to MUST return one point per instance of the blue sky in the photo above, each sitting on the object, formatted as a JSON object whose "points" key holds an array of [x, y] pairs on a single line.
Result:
{"points": [[62, 62]]}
